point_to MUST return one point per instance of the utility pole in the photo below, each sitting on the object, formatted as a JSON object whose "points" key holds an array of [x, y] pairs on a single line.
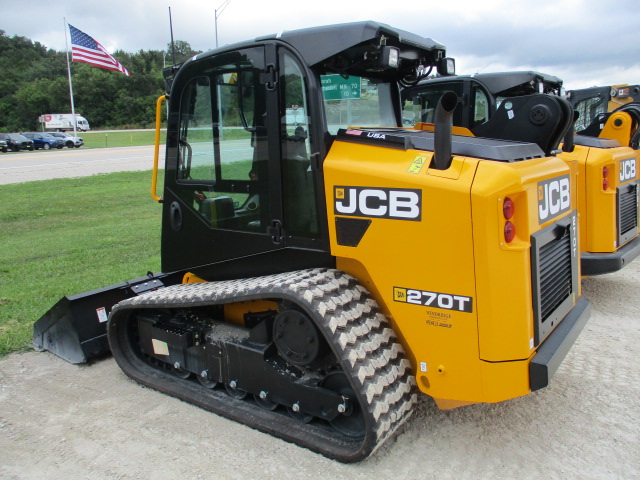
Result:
{"points": [[218, 11]]}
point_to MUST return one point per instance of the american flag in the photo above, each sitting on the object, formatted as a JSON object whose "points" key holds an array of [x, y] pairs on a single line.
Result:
{"points": [[86, 49]]}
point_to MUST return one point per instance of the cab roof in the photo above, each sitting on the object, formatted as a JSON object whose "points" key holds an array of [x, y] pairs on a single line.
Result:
{"points": [[508, 83], [504, 81], [318, 44]]}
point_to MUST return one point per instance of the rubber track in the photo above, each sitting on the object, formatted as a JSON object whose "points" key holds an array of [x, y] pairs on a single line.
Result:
{"points": [[350, 320]]}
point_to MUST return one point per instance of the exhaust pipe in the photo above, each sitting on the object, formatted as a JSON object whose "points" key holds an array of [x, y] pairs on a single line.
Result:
{"points": [[568, 142], [442, 131]]}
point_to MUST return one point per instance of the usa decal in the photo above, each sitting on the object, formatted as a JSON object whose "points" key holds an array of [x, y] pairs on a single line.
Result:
{"points": [[398, 204], [554, 198]]}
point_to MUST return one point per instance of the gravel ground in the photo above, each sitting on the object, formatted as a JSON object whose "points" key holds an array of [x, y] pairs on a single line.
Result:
{"points": [[59, 421]]}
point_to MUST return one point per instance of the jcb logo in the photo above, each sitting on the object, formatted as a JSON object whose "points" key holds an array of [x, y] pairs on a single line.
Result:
{"points": [[401, 204], [627, 169], [554, 198]]}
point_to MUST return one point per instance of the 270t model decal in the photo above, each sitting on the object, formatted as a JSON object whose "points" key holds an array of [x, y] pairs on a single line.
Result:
{"points": [[445, 301]]}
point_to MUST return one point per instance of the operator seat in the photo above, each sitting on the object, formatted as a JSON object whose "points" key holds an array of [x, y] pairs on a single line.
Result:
{"points": [[216, 210]]}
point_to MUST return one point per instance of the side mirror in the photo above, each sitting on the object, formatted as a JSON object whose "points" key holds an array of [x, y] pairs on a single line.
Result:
{"points": [[447, 66]]}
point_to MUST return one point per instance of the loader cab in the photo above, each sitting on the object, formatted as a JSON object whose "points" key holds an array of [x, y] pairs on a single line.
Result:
{"points": [[479, 95], [248, 128], [594, 103]]}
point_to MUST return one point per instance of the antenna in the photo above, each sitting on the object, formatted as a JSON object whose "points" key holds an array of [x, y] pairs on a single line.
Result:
{"points": [[173, 48]]}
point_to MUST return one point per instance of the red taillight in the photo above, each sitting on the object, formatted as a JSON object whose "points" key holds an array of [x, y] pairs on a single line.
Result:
{"points": [[508, 208], [605, 180], [509, 231]]}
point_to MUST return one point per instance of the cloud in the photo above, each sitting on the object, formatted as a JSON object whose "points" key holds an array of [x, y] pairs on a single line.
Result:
{"points": [[579, 40]]}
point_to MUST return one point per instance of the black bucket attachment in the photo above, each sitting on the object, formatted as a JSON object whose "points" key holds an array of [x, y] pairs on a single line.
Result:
{"points": [[75, 328]]}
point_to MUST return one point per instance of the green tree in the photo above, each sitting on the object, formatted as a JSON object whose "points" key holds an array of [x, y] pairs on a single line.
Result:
{"points": [[35, 82], [182, 51]]}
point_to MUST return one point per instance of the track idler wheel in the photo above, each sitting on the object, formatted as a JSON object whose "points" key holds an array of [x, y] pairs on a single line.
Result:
{"points": [[351, 421]]}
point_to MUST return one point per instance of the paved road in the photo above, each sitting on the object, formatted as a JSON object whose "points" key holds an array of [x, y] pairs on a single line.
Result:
{"points": [[67, 163]]}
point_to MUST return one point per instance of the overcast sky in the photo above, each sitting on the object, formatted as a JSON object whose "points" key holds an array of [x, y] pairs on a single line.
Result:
{"points": [[584, 42]]}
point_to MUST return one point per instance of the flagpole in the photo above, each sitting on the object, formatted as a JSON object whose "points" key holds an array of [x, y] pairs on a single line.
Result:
{"points": [[73, 110]]}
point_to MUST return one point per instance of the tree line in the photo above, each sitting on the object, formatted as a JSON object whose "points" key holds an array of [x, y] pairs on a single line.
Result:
{"points": [[34, 81]]}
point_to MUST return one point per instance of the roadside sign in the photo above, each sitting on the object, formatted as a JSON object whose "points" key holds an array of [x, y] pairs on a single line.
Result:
{"points": [[336, 87]]}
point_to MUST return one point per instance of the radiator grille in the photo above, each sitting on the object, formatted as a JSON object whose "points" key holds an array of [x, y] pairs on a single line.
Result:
{"points": [[627, 196], [554, 270], [555, 274]]}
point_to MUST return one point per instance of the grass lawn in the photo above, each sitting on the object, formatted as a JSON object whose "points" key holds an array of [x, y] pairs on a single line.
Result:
{"points": [[67, 236], [132, 138], [122, 138]]}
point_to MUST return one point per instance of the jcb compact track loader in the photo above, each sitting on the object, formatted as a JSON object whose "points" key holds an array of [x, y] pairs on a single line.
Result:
{"points": [[319, 275], [505, 105], [602, 112]]}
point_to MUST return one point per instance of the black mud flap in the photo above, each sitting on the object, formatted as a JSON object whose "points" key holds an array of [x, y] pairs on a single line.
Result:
{"points": [[75, 328]]}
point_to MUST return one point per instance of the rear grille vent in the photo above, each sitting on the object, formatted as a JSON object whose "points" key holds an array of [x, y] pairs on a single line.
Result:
{"points": [[627, 197], [555, 274], [554, 270]]}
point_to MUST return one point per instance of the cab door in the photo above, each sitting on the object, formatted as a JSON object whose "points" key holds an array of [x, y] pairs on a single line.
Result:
{"points": [[237, 174], [221, 167]]}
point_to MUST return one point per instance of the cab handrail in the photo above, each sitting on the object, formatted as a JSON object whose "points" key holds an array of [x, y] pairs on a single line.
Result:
{"points": [[156, 151]]}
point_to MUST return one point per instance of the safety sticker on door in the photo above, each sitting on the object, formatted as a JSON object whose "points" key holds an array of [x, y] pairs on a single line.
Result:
{"points": [[102, 314]]}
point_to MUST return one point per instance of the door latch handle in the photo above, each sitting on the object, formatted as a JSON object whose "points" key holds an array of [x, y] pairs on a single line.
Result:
{"points": [[275, 230]]}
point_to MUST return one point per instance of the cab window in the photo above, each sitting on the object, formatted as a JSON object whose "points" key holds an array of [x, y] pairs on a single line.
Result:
{"points": [[421, 105], [299, 207], [480, 108], [351, 101], [222, 171]]}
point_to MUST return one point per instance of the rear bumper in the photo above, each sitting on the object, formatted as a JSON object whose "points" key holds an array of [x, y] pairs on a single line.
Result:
{"points": [[601, 263], [556, 346]]}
